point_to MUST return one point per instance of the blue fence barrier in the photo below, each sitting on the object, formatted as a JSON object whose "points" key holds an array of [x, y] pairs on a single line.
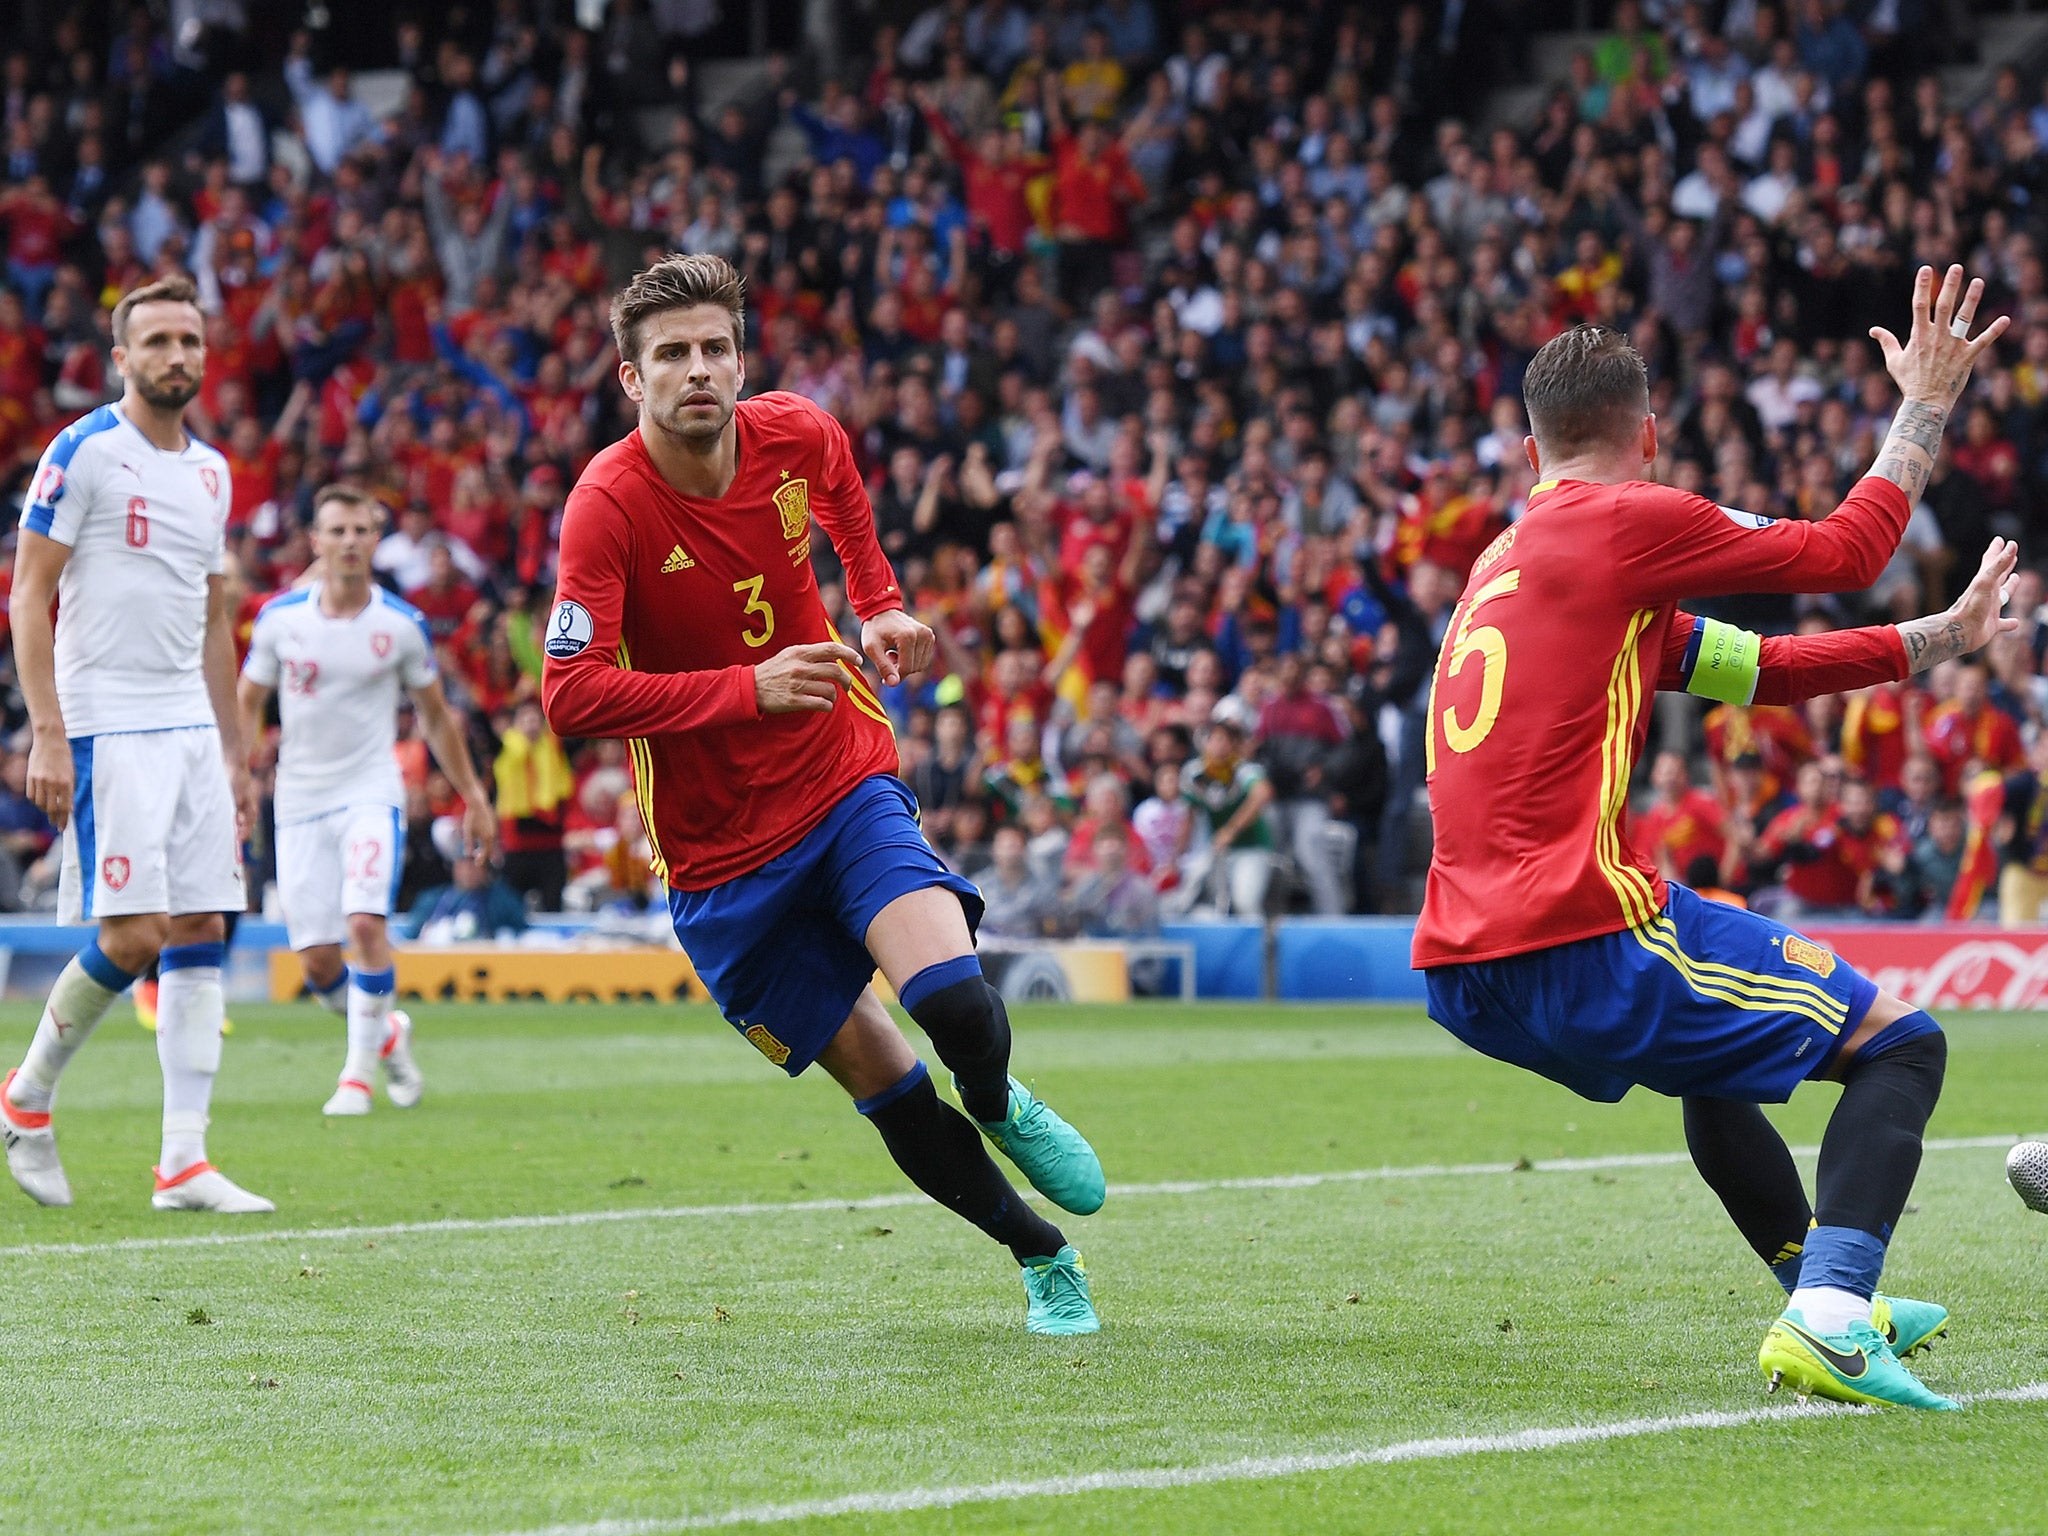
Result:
{"points": [[1328, 959]]}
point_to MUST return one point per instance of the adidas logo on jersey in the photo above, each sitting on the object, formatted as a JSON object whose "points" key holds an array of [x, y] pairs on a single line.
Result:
{"points": [[676, 561]]}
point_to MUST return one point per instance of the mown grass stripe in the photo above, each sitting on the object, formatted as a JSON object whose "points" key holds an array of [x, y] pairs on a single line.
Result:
{"points": [[749, 1208]]}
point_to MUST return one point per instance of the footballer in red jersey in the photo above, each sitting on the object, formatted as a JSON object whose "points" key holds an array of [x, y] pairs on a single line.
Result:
{"points": [[1552, 942], [687, 621]]}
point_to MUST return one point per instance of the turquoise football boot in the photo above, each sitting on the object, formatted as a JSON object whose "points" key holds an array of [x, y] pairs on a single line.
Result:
{"points": [[1907, 1325], [1853, 1366], [1058, 1289], [1054, 1156]]}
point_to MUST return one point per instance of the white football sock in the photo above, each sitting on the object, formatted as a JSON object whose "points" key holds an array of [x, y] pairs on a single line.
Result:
{"points": [[335, 998], [190, 1008], [1828, 1308], [369, 1022], [85, 989]]}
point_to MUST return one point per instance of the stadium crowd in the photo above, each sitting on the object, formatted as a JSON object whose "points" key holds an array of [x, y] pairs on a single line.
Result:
{"points": [[1181, 347]]}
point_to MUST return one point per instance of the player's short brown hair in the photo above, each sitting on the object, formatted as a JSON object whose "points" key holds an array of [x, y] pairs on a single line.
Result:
{"points": [[677, 282], [348, 495], [1586, 388], [175, 289]]}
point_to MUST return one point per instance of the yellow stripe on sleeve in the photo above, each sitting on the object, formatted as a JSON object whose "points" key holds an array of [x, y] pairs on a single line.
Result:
{"points": [[1624, 701], [642, 757]]}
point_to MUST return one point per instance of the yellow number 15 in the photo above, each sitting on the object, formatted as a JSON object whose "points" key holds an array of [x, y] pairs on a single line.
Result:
{"points": [[1491, 647]]}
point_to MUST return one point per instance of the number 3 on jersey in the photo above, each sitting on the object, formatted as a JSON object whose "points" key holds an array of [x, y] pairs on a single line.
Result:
{"points": [[1466, 642], [752, 587]]}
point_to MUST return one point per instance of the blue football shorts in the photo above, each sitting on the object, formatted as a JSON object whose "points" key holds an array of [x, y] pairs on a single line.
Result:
{"points": [[1708, 1001], [782, 948]]}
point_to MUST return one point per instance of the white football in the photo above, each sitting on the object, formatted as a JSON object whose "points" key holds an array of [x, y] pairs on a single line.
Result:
{"points": [[2026, 1167]]}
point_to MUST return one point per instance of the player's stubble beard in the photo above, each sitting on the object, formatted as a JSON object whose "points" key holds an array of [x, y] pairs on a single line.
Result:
{"points": [[694, 433], [169, 392]]}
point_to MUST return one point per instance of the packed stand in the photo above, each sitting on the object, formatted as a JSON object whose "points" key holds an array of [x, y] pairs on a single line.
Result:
{"points": [[1181, 347]]}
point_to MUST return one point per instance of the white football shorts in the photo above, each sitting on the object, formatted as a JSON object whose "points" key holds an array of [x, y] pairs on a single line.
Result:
{"points": [[152, 827], [332, 866]]}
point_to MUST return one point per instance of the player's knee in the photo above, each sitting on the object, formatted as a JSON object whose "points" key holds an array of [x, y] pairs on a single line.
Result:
{"points": [[1911, 1042], [370, 934], [959, 1009], [196, 928], [133, 942]]}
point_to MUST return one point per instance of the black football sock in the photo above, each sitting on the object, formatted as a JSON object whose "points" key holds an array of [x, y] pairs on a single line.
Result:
{"points": [[1868, 1160], [1871, 1152], [969, 1028], [944, 1156], [1746, 1162]]}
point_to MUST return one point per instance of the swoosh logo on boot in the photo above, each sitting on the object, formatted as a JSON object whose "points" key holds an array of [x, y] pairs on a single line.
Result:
{"points": [[1851, 1366]]}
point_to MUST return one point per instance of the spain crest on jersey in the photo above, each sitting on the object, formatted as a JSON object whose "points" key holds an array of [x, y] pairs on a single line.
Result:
{"points": [[793, 501], [1814, 957]]}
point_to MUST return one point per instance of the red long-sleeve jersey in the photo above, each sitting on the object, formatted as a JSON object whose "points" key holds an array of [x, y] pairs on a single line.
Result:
{"points": [[1537, 712], [664, 604]]}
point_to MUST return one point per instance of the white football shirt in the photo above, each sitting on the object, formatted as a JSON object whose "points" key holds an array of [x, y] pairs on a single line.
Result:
{"points": [[338, 683], [145, 529]]}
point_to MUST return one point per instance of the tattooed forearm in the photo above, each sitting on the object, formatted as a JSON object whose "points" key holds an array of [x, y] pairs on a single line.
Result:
{"points": [[1930, 641], [1909, 448]]}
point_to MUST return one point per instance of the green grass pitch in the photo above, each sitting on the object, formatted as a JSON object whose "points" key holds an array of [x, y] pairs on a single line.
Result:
{"points": [[470, 1374]]}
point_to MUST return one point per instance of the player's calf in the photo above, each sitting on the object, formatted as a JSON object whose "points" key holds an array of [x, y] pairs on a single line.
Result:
{"points": [[1746, 1162], [85, 990], [1868, 1160], [941, 1154], [190, 1012], [326, 976], [369, 1026], [970, 1029], [1828, 1340]]}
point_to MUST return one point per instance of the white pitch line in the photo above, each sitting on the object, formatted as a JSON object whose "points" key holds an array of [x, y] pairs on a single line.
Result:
{"points": [[747, 1208], [1250, 1469]]}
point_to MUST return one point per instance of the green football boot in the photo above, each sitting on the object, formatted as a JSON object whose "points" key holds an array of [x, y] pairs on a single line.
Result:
{"points": [[1907, 1325], [1058, 1288], [1054, 1156], [1853, 1366]]}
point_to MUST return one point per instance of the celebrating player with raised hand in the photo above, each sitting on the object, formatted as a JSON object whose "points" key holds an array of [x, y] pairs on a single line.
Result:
{"points": [[136, 753], [1551, 943], [341, 648], [688, 621]]}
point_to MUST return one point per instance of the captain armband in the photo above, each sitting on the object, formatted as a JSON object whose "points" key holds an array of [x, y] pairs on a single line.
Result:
{"points": [[1721, 662]]}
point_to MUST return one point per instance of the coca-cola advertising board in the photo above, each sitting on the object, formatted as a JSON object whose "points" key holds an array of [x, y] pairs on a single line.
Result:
{"points": [[1956, 967]]}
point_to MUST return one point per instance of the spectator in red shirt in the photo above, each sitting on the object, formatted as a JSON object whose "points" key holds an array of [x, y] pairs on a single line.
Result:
{"points": [[1988, 458], [1299, 729], [1094, 188], [1831, 850], [1094, 612], [1969, 726], [998, 171], [445, 599], [1682, 823], [37, 227], [1879, 728], [1106, 808]]}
